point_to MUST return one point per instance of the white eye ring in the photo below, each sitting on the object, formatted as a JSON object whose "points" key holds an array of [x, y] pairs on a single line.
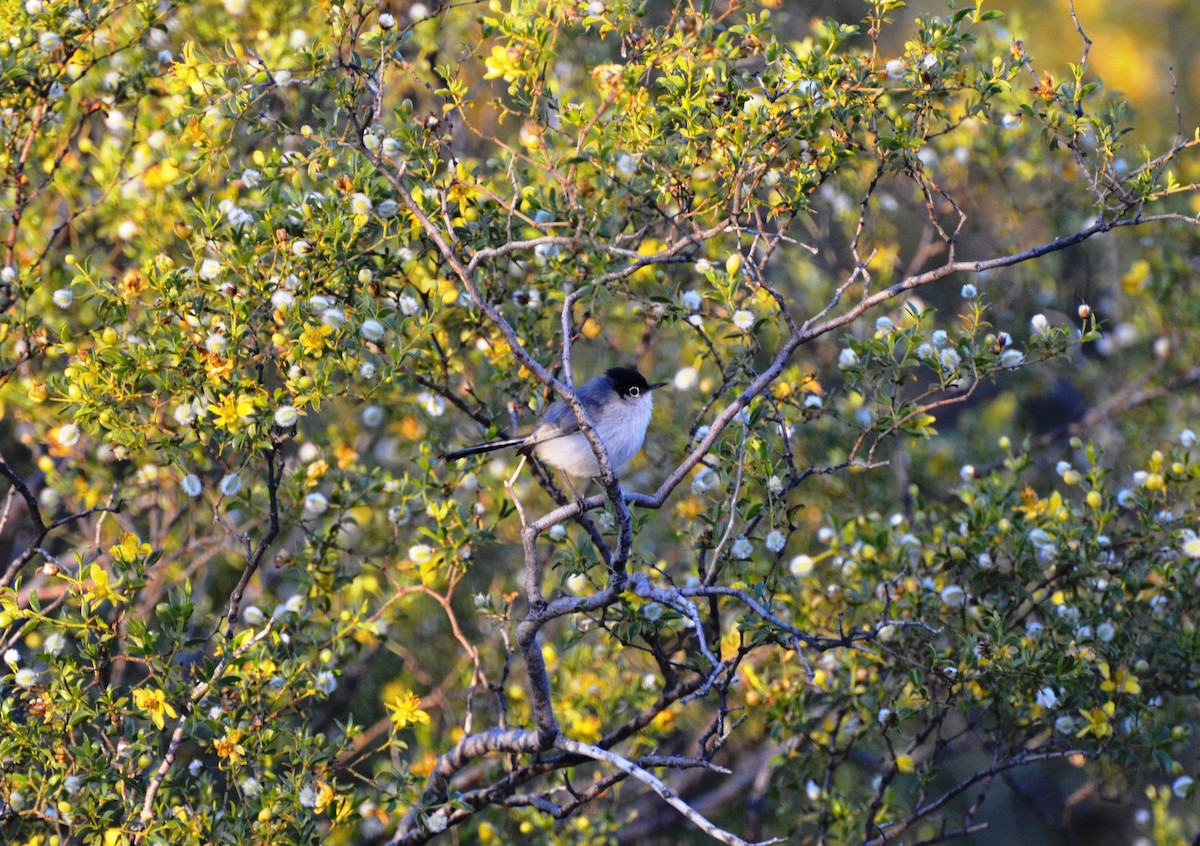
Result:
{"points": [[635, 391]]}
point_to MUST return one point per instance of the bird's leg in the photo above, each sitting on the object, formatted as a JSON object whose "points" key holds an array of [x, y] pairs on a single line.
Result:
{"points": [[576, 495], [570, 487]]}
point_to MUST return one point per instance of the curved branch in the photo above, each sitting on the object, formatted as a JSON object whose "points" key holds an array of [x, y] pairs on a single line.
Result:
{"points": [[1018, 760], [472, 746], [654, 783]]}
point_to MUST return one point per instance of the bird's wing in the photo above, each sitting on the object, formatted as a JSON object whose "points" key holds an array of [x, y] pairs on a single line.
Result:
{"points": [[559, 420]]}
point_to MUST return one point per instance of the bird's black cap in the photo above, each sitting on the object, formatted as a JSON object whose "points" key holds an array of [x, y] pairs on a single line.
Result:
{"points": [[628, 382]]}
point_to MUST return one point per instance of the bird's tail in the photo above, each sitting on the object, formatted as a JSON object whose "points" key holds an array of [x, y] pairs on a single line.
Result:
{"points": [[490, 446]]}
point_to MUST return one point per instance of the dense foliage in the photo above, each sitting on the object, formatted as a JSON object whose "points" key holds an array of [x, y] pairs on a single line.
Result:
{"points": [[913, 533]]}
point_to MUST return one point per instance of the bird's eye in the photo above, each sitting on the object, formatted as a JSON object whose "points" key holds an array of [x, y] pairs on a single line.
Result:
{"points": [[635, 391]]}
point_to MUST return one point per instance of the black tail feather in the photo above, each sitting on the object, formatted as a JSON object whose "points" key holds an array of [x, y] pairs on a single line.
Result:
{"points": [[490, 446]]}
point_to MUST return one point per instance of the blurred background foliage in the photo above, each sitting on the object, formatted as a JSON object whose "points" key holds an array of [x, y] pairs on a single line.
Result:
{"points": [[233, 351]]}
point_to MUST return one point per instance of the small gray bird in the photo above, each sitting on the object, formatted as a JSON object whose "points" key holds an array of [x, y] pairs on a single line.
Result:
{"points": [[619, 403]]}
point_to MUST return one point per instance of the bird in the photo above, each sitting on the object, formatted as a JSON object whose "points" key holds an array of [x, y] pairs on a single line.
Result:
{"points": [[619, 403]]}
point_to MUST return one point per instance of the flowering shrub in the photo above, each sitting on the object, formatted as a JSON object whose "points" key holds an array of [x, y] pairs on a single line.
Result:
{"points": [[256, 281]]}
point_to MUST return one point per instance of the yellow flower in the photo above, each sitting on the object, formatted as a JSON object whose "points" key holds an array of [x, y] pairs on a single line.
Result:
{"points": [[405, 710], [549, 653], [755, 681], [448, 293], [163, 173], [323, 795], [228, 747], [1120, 681], [689, 508], [315, 471], [233, 412], [463, 189], [102, 589], [585, 727], [154, 702], [1098, 723], [424, 766], [129, 549], [411, 427], [217, 368], [504, 61], [1136, 277], [346, 455], [905, 764], [1033, 506], [663, 720], [134, 284], [312, 338]]}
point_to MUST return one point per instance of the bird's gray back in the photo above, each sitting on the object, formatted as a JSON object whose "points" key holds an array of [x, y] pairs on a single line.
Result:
{"points": [[560, 420]]}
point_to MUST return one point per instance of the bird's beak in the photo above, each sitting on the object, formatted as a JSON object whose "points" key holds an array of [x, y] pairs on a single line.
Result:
{"points": [[658, 385]]}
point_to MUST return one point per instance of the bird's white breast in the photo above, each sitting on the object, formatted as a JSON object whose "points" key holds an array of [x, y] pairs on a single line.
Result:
{"points": [[622, 430]]}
